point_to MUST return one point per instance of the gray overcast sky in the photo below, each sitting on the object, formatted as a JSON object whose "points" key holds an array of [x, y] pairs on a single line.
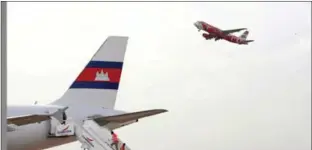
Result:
{"points": [[220, 96]]}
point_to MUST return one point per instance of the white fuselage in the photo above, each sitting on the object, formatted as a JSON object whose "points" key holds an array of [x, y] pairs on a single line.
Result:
{"points": [[29, 136]]}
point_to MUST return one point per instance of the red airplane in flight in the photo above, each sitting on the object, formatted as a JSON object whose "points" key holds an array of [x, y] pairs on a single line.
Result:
{"points": [[218, 34]]}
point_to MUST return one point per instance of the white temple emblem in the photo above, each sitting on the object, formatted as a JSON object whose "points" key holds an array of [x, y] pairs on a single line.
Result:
{"points": [[101, 76]]}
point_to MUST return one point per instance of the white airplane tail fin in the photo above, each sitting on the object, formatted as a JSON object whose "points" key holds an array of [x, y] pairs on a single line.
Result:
{"points": [[98, 82], [244, 35]]}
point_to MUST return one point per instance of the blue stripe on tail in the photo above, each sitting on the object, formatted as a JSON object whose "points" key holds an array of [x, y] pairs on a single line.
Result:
{"points": [[104, 64]]}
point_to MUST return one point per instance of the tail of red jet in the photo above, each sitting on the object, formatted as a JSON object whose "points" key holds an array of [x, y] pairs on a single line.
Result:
{"points": [[244, 35]]}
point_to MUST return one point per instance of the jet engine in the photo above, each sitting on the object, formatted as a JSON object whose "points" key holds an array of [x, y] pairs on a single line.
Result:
{"points": [[207, 36]]}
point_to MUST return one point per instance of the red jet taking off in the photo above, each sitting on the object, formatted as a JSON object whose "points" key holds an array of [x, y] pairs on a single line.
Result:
{"points": [[218, 34]]}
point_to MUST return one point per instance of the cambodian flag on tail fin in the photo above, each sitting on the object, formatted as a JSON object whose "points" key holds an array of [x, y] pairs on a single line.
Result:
{"points": [[98, 82], [99, 75]]}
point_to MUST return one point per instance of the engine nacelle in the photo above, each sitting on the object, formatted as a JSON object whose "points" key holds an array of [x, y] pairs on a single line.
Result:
{"points": [[207, 36]]}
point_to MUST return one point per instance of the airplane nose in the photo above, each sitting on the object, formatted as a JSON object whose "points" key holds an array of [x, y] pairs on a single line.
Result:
{"points": [[196, 25]]}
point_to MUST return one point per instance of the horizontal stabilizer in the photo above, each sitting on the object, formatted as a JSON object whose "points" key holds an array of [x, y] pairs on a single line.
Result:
{"points": [[27, 119], [127, 117], [249, 41]]}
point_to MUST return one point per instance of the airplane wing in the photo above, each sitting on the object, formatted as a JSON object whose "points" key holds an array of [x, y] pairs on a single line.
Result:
{"points": [[214, 37], [233, 30], [101, 121]]}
